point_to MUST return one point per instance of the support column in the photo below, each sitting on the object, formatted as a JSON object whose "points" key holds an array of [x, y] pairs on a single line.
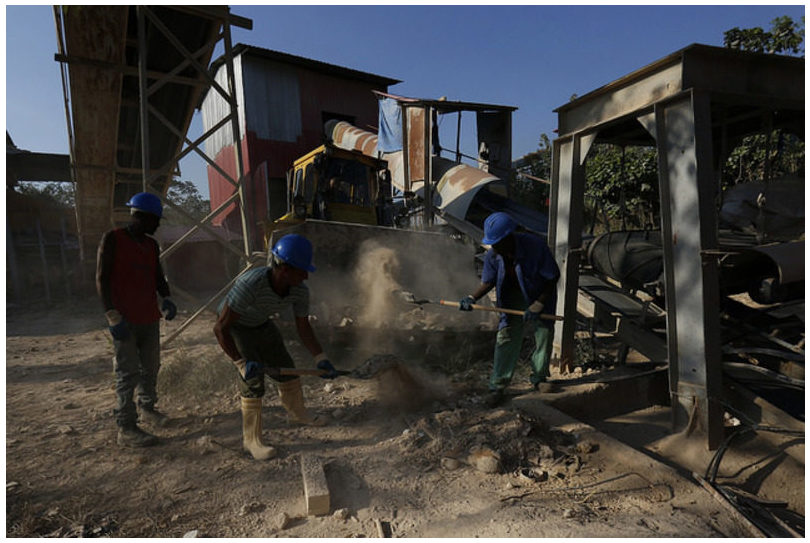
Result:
{"points": [[565, 236], [688, 226]]}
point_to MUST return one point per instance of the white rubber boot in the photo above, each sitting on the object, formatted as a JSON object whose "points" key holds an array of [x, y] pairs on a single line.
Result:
{"points": [[252, 430], [292, 399]]}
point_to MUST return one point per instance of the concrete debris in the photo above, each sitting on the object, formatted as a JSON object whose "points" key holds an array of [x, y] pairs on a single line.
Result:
{"points": [[342, 514], [587, 447], [192, 533], [544, 452], [485, 460], [450, 464], [205, 444], [282, 521], [253, 507]]}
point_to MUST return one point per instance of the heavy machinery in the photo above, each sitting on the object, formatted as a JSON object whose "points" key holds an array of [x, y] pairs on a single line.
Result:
{"points": [[337, 185]]}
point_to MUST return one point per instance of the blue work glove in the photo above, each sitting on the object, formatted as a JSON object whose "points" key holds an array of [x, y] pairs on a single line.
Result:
{"points": [[532, 314], [252, 369], [330, 370], [248, 369], [119, 329], [466, 303], [168, 309]]}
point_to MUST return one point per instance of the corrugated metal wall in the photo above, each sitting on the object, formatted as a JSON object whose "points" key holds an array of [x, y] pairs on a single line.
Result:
{"points": [[282, 112]]}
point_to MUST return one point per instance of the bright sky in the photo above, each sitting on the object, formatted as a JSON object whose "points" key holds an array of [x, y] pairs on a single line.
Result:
{"points": [[533, 57]]}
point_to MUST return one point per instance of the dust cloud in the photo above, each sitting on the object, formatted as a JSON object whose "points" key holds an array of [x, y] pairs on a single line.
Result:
{"points": [[376, 274]]}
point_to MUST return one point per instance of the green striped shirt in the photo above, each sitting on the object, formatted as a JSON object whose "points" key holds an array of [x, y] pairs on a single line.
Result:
{"points": [[256, 301]]}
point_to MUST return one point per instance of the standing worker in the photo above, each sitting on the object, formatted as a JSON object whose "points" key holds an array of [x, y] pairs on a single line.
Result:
{"points": [[522, 269], [128, 278], [247, 335]]}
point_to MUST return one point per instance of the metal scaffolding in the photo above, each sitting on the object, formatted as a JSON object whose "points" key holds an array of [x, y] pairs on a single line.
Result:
{"points": [[162, 77]]}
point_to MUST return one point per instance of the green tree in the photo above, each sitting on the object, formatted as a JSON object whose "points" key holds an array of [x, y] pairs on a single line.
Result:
{"points": [[785, 37], [525, 187], [58, 194], [778, 154], [186, 195], [621, 188]]}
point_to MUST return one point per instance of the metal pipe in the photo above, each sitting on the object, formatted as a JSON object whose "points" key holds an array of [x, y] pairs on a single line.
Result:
{"points": [[142, 92]]}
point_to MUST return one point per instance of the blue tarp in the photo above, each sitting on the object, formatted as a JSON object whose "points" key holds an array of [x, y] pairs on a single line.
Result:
{"points": [[389, 137]]}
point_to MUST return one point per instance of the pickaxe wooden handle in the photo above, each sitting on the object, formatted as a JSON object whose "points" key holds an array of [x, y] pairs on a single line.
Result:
{"points": [[501, 310]]}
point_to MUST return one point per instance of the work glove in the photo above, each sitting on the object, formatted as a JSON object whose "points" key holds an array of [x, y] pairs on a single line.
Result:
{"points": [[117, 325], [466, 303], [248, 369], [168, 309], [330, 370], [532, 314]]}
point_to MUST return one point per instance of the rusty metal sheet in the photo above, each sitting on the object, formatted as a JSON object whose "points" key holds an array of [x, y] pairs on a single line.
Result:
{"points": [[789, 259]]}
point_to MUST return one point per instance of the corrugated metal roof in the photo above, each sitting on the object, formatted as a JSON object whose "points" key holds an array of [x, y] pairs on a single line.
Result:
{"points": [[315, 65]]}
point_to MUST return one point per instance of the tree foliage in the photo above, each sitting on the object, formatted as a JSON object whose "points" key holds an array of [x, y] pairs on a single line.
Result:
{"points": [[60, 195], [622, 183], [185, 195], [621, 188], [537, 164], [785, 37]]}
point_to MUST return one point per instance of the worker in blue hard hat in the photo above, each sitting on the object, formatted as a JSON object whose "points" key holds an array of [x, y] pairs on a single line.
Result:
{"points": [[129, 279], [247, 334], [523, 272]]}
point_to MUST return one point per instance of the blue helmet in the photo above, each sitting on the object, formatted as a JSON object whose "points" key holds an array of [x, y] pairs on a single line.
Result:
{"points": [[497, 226], [295, 250], [146, 202]]}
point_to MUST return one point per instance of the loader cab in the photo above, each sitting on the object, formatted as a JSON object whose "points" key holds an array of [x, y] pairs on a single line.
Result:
{"points": [[338, 185]]}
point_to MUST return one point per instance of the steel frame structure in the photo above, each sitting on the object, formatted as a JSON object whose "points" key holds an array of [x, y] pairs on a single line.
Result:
{"points": [[689, 105], [149, 82]]}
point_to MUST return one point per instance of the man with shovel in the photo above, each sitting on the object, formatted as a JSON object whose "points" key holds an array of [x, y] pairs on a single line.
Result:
{"points": [[522, 269], [248, 336]]}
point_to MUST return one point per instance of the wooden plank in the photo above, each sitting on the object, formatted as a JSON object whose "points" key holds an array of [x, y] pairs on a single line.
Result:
{"points": [[316, 491]]}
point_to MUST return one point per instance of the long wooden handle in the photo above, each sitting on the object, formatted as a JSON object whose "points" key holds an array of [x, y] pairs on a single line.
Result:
{"points": [[305, 371], [296, 371], [500, 310]]}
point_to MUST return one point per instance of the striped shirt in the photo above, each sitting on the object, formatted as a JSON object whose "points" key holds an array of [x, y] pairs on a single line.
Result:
{"points": [[256, 301]]}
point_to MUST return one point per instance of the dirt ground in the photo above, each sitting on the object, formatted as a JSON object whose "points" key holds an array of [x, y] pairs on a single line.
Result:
{"points": [[445, 467]]}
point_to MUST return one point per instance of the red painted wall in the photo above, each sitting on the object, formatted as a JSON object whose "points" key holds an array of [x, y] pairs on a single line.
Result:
{"points": [[318, 93]]}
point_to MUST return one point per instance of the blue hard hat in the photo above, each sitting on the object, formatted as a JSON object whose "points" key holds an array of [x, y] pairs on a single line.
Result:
{"points": [[497, 226], [146, 202], [295, 250]]}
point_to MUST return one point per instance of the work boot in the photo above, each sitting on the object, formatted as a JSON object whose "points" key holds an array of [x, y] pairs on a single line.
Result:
{"points": [[494, 398], [544, 387], [252, 430], [132, 436], [153, 417], [292, 399]]}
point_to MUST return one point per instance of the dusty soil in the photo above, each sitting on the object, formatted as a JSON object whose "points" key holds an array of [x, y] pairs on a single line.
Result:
{"points": [[411, 471]]}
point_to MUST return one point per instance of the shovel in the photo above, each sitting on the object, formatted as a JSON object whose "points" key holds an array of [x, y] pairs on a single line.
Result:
{"points": [[411, 299], [370, 369]]}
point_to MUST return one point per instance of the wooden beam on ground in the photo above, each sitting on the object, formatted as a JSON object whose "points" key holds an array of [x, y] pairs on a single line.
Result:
{"points": [[316, 491]]}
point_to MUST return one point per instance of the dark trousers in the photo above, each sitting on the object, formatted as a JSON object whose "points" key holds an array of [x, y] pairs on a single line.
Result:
{"points": [[262, 344], [137, 362]]}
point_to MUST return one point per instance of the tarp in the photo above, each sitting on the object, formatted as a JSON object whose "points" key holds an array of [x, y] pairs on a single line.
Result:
{"points": [[389, 137]]}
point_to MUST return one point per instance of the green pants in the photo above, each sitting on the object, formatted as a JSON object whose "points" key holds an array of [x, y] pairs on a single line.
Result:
{"points": [[263, 344], [510, 339]]}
